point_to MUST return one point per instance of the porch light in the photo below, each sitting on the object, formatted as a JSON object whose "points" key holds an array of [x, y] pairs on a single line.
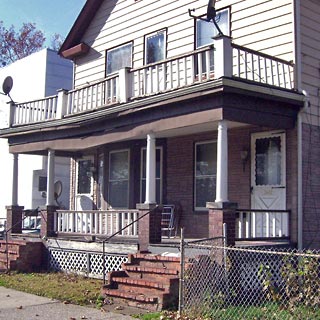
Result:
{"points": [[244, 155]]}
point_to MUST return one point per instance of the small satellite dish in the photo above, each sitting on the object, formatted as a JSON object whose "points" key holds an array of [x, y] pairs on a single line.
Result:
{"points": [[211, 10], [7, 85], [57, 189]]}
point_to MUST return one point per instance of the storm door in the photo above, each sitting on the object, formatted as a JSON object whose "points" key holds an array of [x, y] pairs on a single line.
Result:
{"points": [[268, 182]]}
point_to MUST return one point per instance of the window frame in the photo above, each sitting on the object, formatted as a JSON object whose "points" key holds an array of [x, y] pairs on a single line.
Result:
{"points": [[195, 176], [226, 9], [117, 48], [109, 178], [148, 36], [159, 179]]}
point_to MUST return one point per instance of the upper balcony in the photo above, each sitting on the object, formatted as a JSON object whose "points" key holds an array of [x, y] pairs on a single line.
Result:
{"points": [[196, 68]]}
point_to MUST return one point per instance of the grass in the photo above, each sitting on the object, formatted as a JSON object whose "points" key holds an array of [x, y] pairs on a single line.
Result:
{"points": [[69, 288]]}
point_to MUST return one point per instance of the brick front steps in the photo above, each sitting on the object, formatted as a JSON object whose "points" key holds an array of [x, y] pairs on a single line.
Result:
{"points": [[21, 255], [146, 281]]}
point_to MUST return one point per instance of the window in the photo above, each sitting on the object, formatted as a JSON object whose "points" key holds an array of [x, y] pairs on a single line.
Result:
{"points": [[158, 175], [119, 57], [155, 47], [84, 176], [118, 186], [42, 184], [205, 173], [206, 30]]}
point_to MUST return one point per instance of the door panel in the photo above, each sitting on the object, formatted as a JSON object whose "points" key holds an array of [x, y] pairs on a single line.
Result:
{"points": [[268, 183]]}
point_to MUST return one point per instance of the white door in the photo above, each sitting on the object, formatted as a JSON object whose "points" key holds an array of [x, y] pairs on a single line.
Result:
{"points": [[268, 184], [84, 184]]}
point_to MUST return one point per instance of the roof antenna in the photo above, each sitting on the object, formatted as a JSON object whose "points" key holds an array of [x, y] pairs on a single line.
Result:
{"points": [[211, 15]]}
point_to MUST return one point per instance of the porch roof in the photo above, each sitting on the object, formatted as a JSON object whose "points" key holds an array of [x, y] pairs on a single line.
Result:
{"points": [[189, 110]]}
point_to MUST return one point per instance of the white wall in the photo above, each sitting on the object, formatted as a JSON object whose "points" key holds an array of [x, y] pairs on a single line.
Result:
{"points": [[41, 74]]}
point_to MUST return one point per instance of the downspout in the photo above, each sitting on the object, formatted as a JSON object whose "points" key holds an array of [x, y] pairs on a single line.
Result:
{"points": [[298, 84]]}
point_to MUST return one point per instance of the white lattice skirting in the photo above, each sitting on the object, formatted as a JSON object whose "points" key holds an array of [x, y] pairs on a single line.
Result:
{"points": [[85, 263]]}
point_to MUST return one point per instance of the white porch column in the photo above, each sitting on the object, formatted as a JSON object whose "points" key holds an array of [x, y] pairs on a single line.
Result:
{"points": [[50, 178], [151, 169], [222, 163], [14, 200]]}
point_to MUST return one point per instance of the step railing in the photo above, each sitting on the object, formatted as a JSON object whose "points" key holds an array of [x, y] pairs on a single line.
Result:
{"points": [[97, 222], [254, 223]]}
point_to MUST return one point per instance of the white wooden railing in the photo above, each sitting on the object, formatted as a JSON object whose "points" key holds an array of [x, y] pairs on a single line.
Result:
{"points": [[223, 59], [35, 111], [104, 222], [105, 92], [256, 66], [251, 224]]}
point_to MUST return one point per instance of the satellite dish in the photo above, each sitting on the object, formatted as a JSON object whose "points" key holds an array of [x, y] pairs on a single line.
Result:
{"points": [[211, 10], [57, 189], [7, 85]]}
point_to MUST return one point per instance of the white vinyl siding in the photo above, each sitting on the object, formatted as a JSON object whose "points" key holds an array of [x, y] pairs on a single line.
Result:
{"points": [[259, 24]]}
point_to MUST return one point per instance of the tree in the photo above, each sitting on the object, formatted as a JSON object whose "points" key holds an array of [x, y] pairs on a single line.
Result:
{"points": [[17, 45], [56, 42]]}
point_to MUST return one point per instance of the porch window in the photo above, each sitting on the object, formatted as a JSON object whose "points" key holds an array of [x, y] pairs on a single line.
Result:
{"points": [[205, 173], [158, 175], [119, 58], [155, 47], [118, 186], [205, 31]]}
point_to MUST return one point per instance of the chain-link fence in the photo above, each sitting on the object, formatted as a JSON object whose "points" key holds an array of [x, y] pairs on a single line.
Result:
{"points": [[249, 283]]}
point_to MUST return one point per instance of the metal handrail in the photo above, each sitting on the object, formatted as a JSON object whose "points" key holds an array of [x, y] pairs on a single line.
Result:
{"points": [[116, 233]]}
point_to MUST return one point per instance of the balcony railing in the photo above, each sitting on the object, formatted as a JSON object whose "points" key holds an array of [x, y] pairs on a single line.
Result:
{"points": [[224, 59], [252, 224], [93, 222]]}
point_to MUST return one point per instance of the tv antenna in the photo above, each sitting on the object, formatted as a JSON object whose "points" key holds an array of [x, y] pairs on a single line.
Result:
{"points": [[211, 15], [7, 86]]}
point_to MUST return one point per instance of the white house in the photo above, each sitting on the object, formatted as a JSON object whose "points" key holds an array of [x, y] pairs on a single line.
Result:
{"points": [[34, 77]]}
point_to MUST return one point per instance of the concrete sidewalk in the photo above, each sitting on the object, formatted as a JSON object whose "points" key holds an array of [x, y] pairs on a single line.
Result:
{"points": [[16, 305]]}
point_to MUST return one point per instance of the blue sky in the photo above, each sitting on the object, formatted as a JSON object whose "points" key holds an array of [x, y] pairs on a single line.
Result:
{"points": [[50, 16]]}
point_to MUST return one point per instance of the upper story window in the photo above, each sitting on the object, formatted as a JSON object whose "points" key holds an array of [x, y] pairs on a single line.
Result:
{"points": [[155, 47], [119, 57], [205, 31]]}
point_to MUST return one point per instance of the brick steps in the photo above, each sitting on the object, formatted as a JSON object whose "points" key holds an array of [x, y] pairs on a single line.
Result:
{"points": [[146, 281]]}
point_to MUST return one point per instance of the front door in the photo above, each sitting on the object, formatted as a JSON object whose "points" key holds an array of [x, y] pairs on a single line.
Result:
{"points": [[84, 184], [268, 182]]}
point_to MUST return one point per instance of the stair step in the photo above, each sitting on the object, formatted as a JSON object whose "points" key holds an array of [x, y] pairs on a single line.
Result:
{"points": [[161, 271], [132, 296], [140, 282], [154, 257]]}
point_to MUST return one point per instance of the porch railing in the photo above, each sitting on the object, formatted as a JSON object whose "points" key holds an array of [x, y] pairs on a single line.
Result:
{"points": [[223, 59], [94, 222], [36, 111], [252, 224]]}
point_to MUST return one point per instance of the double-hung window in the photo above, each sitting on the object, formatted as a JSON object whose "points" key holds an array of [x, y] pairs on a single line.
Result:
{"points": [[205, 173], [155, 47], [118, 184], [206, 31], [118, 58]]}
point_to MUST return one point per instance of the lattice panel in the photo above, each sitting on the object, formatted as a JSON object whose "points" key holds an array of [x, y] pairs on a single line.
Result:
{"points": [[88, 263]]}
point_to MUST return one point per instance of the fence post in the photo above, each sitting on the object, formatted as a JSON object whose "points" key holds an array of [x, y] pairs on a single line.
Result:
{"points": [[181, 278]]}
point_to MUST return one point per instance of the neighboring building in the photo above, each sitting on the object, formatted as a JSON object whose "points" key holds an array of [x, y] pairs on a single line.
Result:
{"points": [[34, 77], [162, 113]]}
